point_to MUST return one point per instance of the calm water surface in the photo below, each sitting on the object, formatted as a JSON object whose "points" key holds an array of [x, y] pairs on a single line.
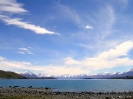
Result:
{"points": [[93, 85]]}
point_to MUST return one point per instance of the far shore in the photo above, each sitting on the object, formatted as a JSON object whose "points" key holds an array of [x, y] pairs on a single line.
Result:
{"points": [[17, 92]]}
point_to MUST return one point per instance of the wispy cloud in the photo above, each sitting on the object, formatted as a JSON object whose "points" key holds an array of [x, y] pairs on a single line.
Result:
{"points": [[103, 35], [106, 20], [25, 51], [86, 46], [102, 20], [12, 7], [69, 13], [21, 52], [125, 3]]}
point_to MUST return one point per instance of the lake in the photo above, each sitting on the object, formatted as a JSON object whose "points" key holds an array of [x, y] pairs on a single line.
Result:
{"points": [[89, 85]]}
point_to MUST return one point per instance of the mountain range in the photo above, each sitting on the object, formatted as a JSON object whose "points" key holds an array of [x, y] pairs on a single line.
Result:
{"points": [[30, 75], [117, 75]]}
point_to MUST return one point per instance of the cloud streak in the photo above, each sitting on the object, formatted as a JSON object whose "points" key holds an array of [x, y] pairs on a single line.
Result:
{"points": [[19, 23], [106, 19], [24, 51], [69, 13], [12, 7]]}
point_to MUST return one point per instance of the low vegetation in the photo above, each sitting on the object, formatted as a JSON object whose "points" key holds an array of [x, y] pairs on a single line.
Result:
{"points": [[46, 93], [10, 75]]}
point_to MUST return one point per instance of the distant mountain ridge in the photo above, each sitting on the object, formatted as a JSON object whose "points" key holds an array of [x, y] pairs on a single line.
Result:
{"points": [[117, 75], [10, 75], [31, 75], [28, 74]]}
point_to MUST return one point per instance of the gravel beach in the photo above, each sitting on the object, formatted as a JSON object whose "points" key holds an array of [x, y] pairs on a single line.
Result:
{"points": [[46, 93]]}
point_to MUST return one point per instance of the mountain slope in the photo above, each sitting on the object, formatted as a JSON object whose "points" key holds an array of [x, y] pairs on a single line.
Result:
{"points": [[9, 75]]}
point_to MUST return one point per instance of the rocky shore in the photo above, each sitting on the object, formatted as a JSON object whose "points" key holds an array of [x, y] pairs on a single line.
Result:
{"points": [[46, 93]]}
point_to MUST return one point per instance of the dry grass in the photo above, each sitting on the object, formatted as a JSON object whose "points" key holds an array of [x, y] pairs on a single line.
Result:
{"points": [[44, 93]]}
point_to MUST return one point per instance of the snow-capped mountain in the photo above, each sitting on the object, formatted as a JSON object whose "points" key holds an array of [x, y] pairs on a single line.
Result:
{"points": [[42, 75], [28, 74], [65, 76], [127, 74]]}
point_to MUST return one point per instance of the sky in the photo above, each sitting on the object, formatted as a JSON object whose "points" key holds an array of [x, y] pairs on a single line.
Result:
{"points": [[58, 37]]}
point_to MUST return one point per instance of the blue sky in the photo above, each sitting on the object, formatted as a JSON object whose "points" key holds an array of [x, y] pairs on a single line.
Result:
{"points": [[57, 37]]}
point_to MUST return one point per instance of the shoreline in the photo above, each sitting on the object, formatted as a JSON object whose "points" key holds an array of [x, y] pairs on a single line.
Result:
{"points": [[47, 93]]}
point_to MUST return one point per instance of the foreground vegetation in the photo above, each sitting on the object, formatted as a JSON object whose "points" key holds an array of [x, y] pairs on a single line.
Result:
{"points": [[46, 93]]}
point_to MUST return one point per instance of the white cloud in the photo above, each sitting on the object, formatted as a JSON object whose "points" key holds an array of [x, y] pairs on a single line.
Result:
{"points": [[12, 7], [27, 66], [88, 27], [21, 52], [12, 65], [120, 50], [105, 60], [114, 57], [25, 51], [1, 58], [61, 70], [70, 61], [17, 22]]}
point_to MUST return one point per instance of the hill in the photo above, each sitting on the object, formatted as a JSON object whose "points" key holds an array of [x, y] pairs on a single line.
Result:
{"points": [[10, 75]]}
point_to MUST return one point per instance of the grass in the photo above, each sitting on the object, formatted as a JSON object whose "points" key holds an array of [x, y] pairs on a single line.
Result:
{"points": [[9, 75], [16, 96], [29, 97], [45, 93]]}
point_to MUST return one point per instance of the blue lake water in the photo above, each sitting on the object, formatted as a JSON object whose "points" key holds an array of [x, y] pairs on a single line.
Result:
{"points": [[89, 85]]}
